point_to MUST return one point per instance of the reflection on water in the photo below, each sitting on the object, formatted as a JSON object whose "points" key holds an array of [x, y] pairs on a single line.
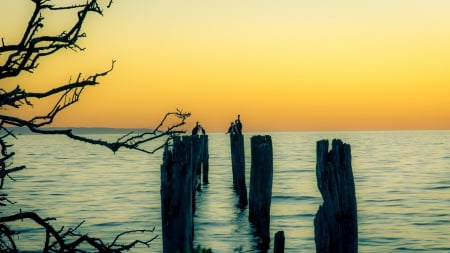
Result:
{"points": [[401, 179]]}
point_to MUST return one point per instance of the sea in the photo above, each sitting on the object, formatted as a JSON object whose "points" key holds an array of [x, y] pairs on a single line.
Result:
{"points": [[402, 181]]}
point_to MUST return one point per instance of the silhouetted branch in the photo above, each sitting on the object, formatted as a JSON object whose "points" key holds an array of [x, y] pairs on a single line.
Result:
{"points": [[24, 55], [7, 244], [5, 158], [70, 240], [70, 95], [128, 141]]}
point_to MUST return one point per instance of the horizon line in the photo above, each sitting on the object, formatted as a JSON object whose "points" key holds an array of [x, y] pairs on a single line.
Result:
{"points": [[219, 131]]}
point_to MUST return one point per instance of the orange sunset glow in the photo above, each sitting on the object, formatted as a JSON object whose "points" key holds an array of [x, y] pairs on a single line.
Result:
{"points": [[283, 65]]}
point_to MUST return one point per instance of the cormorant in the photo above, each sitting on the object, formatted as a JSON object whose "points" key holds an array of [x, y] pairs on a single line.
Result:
{"points": [[231, 129], [239, 124], [196, 129]]}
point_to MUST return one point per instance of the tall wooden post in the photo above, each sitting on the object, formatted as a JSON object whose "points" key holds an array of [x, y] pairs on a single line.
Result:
{"points": [[205, 159], [335, 224], [261, 175], [238, 167], [197, 157], [176, 197]]}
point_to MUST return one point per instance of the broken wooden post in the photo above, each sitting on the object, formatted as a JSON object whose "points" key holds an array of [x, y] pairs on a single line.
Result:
{"points": [[261, 174], [238, 167], [335, 224], [176, 197], [279, 239], [205, 159]]}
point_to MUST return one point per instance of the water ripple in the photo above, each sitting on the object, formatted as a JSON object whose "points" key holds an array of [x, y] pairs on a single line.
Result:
{"points": [[401, 183]]}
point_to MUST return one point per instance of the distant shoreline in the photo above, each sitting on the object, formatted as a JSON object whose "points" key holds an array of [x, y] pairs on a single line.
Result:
{"points": [[83, 130], [112, 130]]}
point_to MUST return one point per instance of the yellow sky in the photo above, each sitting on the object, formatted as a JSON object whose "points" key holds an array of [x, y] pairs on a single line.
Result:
{"points": [[283, 65]]}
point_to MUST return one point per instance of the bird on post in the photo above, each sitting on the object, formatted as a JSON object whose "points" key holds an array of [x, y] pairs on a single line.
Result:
{"points": [[197, 129], [239, 124]]}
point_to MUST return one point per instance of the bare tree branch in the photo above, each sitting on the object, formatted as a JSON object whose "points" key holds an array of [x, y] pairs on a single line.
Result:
{"points": [[24, 55], [7, 244], [18, 96], [71, 240], [5, 158], [128, 141]]}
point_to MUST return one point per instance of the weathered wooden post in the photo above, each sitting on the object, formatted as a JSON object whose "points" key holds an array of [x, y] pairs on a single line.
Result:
{"points": [[205, 159], [235, 156], [238, 167], [261, 175], [176, 197], [335, 224], [199, 154], [278, 246], [196, 159]]}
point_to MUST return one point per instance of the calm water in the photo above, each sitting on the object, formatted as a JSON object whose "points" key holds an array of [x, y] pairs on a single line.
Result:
{"points": [[402, 184]]}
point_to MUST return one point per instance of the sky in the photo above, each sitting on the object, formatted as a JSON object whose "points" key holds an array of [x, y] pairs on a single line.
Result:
{"points": [[286, 65]]}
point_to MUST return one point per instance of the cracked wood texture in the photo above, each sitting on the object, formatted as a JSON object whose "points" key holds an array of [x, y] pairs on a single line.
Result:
{"points": [[335, 224]]}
